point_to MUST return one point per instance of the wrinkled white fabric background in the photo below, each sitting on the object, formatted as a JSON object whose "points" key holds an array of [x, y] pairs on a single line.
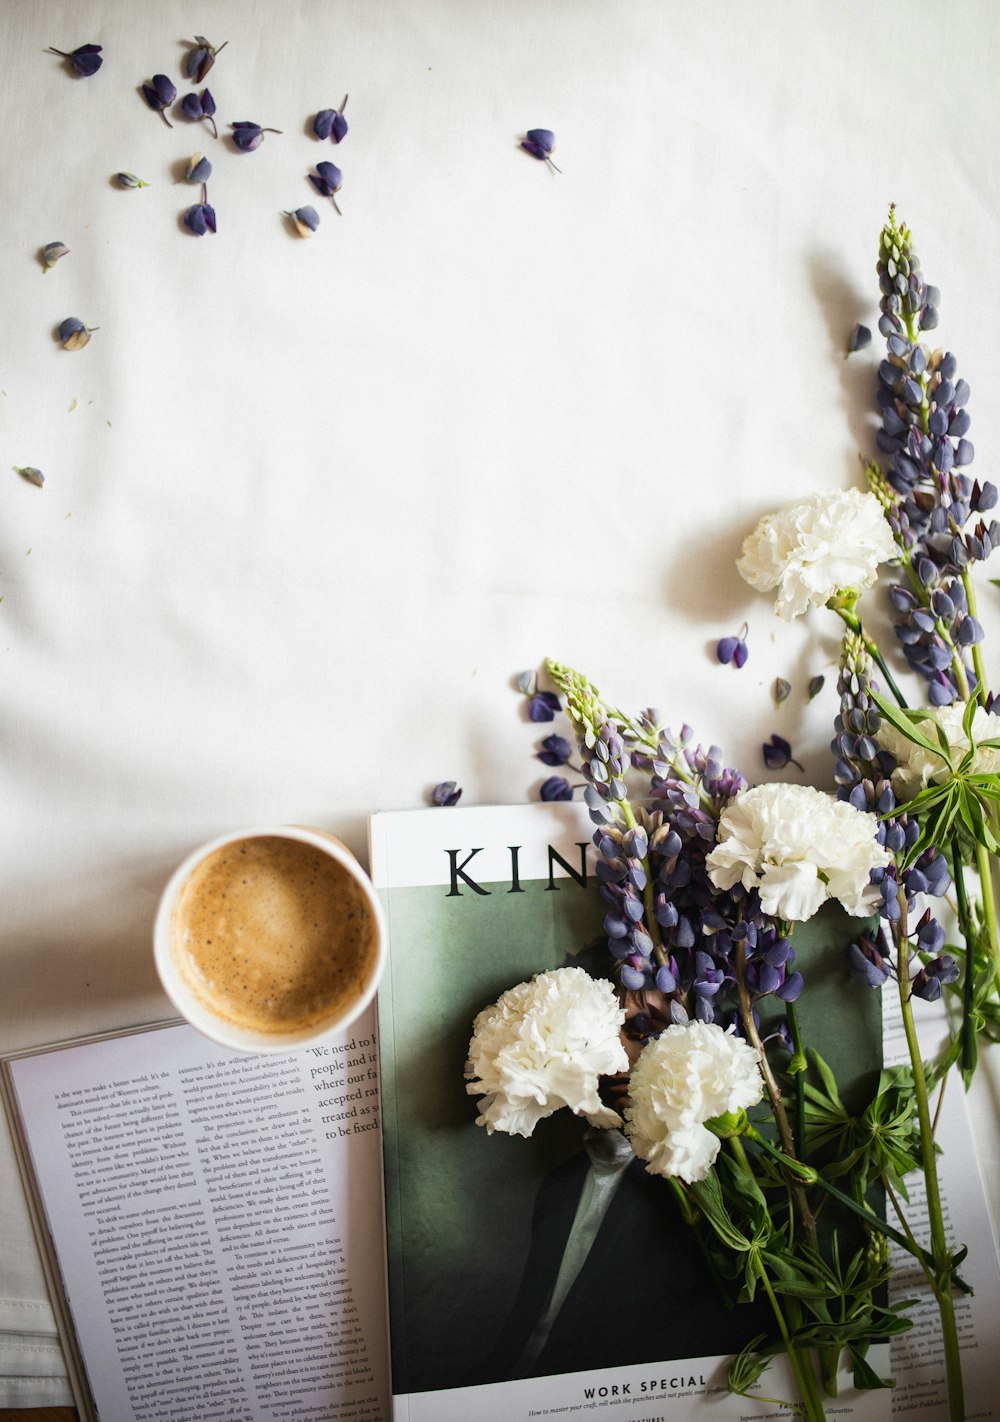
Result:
{"points": [[309, 505]]}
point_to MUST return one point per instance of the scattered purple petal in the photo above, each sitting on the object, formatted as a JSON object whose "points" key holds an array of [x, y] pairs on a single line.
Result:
{"points": [[733, 649], [540, 142], [782, 690], [249, 136], [328, 180], [448, 792], [200, 218], [200, 59], [52, 252], [859, 339], [778, 753], [305, 220], [159, 95], [198, 107], [85, 60], [73, 334], [543, 706], [556, 750], [33, 476], [199, 169], [556, 788], [330, 123], [816, 686]]}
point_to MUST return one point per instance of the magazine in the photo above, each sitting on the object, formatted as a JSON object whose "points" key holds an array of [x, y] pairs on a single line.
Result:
{"points": [[210, 1224], [478, 900]]}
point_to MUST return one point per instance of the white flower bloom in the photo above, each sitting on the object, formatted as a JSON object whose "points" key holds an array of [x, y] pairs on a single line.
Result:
{"points": [[919, 767], [682, 1079], [542, 1046], [813, 550], [797, 847]]}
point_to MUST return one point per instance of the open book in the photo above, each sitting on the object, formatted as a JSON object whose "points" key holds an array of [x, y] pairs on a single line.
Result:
{"points": [[212, 1223]]}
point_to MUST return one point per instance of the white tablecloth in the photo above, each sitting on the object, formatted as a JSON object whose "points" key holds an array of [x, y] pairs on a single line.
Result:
{"points": [[309, 505]]}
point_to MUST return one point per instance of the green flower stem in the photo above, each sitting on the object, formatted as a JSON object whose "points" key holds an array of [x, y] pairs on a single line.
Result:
{"points": [[811, 1402], [777, 1105], [985, 869], [812, 1176], [977, 647], [941, 1282], [853, 621], [796, 1068], [968, 1031]]}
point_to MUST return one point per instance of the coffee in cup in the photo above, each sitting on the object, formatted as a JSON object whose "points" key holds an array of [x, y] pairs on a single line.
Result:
{"points": [[269, 939]]}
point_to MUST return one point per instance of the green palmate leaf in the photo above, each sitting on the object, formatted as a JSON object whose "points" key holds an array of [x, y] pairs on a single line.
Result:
{"points": [[864, 1374], [827, 1077], [750, 1364], [905, 723], [708, 1194]]}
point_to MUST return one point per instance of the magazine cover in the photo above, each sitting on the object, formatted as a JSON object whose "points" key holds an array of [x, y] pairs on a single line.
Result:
{"points": [[479, 900]]}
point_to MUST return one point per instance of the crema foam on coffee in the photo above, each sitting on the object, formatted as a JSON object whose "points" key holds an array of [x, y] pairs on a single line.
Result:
{"points": [[273, 935]]}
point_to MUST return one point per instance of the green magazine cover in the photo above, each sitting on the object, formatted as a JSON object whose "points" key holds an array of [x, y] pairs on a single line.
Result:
{"points": [[478, 900]]}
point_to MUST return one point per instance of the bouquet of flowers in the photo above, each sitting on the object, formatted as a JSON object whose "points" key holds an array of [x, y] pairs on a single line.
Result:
{"points": [[704, 877]]}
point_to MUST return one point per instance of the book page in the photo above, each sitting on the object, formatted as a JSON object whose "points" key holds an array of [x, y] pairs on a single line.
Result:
{"points": [[217, 1221]]}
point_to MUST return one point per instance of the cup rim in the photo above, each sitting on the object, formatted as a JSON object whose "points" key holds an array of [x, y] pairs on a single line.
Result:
{"points": [[230, 1034]]}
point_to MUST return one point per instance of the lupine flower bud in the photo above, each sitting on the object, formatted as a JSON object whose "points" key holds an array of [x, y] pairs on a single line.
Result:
{"points": [[33, 476], [85, 60], [52, 252], [249, 136], [330, 123], [327, 180], [199, 169], [160, 93], [540, 142], [200, 218], [200, 59], [73, 334], [305, 220], [129, 180], [446, 793], [200, 106]]}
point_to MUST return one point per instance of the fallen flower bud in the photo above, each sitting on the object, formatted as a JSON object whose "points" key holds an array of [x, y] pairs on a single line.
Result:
{"points": [[86, 60], [305, 220], [159, 95], [73, 334]]}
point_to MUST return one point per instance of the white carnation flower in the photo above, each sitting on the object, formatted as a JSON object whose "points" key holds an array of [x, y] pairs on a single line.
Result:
{"points": [[688, 1075], [813, 550], [918, 767], [798, 847], [543, 1045]]}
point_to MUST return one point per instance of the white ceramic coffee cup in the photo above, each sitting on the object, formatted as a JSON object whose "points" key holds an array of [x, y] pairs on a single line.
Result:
{"points": [[231, 1034]]}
